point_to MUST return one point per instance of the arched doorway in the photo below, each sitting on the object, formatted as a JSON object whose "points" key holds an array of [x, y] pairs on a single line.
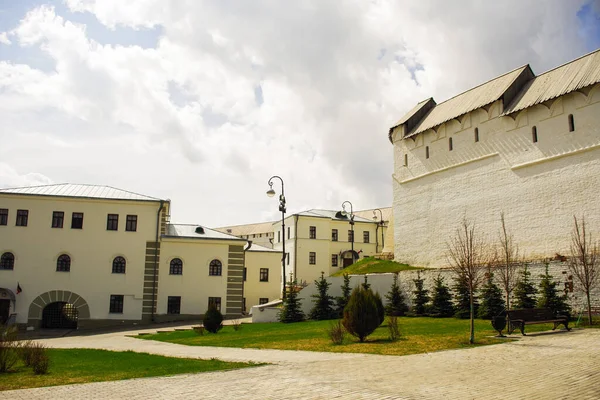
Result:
{"points": [[60, 315], [348, 258]]}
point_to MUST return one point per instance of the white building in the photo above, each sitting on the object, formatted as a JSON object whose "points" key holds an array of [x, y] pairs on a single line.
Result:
{"points": [[525, 145], [85, 256]]}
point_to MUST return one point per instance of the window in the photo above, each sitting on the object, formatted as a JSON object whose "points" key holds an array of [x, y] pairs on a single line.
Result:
{"points": [[366, 236], [534, 134], [426, 151], [58, 218], [22, 217], [287, 256], [63, 263], [406, 160], [215, 301], [476, 134], [263, 300], [116, 304], [350, 236], [176, 267], [215, 267], [77, 220], [334, 260], [334, 235], [112, 222], [173, 304], [119, 265], [289, 231], [7, 261], [264, 274], [571, 123], [278, 237], [312, 258], [3, 216], [450, 147], [245, 274], [312, 234], [131, 223]]}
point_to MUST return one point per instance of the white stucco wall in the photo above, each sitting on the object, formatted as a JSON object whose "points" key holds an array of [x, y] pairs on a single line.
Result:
{"points": [[254, 289], [539, 186]]}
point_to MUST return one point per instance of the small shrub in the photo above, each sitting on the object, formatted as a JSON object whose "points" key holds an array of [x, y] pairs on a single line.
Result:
{"points": [[40, 361], [236, 324], [9, 348], [336, 332], [362, 313], [199, 330], [213, 319], [393, 328], [29, 351]]}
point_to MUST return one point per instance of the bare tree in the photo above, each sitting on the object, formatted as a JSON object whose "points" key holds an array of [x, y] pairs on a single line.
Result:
{"points": [[508, 261], [468, 255], [585, 261]]}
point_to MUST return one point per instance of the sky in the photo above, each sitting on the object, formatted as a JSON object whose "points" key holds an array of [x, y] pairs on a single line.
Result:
{"points": [[201, 102]]}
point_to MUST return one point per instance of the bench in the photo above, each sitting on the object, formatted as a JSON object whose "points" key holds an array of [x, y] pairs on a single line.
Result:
{"points": [[530, 316]]}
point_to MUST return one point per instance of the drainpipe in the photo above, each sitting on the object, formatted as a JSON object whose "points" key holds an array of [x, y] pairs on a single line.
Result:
{"points": [[156, 259], [295, 246]]}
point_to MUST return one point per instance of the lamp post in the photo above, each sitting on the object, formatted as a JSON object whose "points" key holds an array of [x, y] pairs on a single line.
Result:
{"points": [[271, 193], [344, 213], [380, 223]]}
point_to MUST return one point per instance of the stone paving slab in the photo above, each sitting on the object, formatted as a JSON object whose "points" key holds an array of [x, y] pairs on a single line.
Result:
{"points": [[539, 366]]}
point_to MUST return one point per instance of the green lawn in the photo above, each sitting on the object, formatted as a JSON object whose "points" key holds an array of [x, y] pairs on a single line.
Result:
{"points": [[371, 265], [84, 365], [419, 335]]}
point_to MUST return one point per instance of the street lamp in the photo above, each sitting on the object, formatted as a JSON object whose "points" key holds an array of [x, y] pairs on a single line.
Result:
{"points": [[344, 213], [380, 223], [271, 193]]}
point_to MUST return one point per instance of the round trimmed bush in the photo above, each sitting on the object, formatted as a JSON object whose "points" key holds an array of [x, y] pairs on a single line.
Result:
{"points": [[213, 319]]}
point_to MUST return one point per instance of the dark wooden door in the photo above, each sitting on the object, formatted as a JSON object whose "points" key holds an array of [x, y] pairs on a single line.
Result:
{"points": [[4, 309]]}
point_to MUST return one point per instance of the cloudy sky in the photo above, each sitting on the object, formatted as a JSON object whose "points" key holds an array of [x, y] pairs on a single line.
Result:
{"points": [[202, 101]]}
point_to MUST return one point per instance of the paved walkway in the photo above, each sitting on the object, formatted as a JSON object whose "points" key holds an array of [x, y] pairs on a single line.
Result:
{"points": [[542, 366]]}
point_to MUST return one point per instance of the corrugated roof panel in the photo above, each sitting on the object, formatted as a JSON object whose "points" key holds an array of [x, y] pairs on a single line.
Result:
{"points": [[577, 74], [79, 190], [470, 100], [189, 231]]}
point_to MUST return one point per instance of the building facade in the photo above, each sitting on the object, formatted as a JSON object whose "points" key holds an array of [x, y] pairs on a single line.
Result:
{"points": [[524, 145], [81, 256]]}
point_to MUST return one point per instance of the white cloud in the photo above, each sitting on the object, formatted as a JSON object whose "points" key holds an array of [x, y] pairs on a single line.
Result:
{"points": [[182, 120], [4, 38]]}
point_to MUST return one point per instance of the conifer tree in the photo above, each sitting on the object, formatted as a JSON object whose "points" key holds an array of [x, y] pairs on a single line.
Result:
{"points": [[492, 303], [549, 296], [525, 290], [395, 300], [323, 307], [361, 315], [342, 300], [441, 302], [420, 296], [462, 307], [291, 311], [366, 285]]}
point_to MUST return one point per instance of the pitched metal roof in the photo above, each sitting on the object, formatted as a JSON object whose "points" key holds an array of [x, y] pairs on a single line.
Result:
{"points": [[82, 191], [577, 74], [465, 102], [386, 212], [331, 214], [262, 249], [189, 231], [248, 229]]}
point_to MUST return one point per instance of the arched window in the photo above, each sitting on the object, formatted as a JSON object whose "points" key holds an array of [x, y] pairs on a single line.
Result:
{"points": [[119, 265], [176, 267], [426, 151], [450, 147], [63, 263], [477, 134], [215, 268], [571, 123], [7, 261], [534, 134]]}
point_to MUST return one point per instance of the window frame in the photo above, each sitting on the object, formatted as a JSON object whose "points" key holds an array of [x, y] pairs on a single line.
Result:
{"points": [[131, 221], [263, 275], [350, 236], [263, 300], [63, 263], [22, 218], [116, 304], [312, 257], [3, 216], [174, 305], [58, 219], [334, 260], [366, 237], [7, 261], [334, 235], [119, 265], [176, 266], [77, 216], [112, 222], [216, 301], [312, 232], [215, 268]]}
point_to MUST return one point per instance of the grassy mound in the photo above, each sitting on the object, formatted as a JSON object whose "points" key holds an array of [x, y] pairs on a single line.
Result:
{"points": [[371, 265]]}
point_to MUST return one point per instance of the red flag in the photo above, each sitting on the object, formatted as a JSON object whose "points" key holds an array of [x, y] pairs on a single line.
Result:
{"points": [[19, 290]]}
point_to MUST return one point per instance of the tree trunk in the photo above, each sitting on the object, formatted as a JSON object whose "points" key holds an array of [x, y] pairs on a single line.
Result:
{"points": [[589, 304], [472, 314]]}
